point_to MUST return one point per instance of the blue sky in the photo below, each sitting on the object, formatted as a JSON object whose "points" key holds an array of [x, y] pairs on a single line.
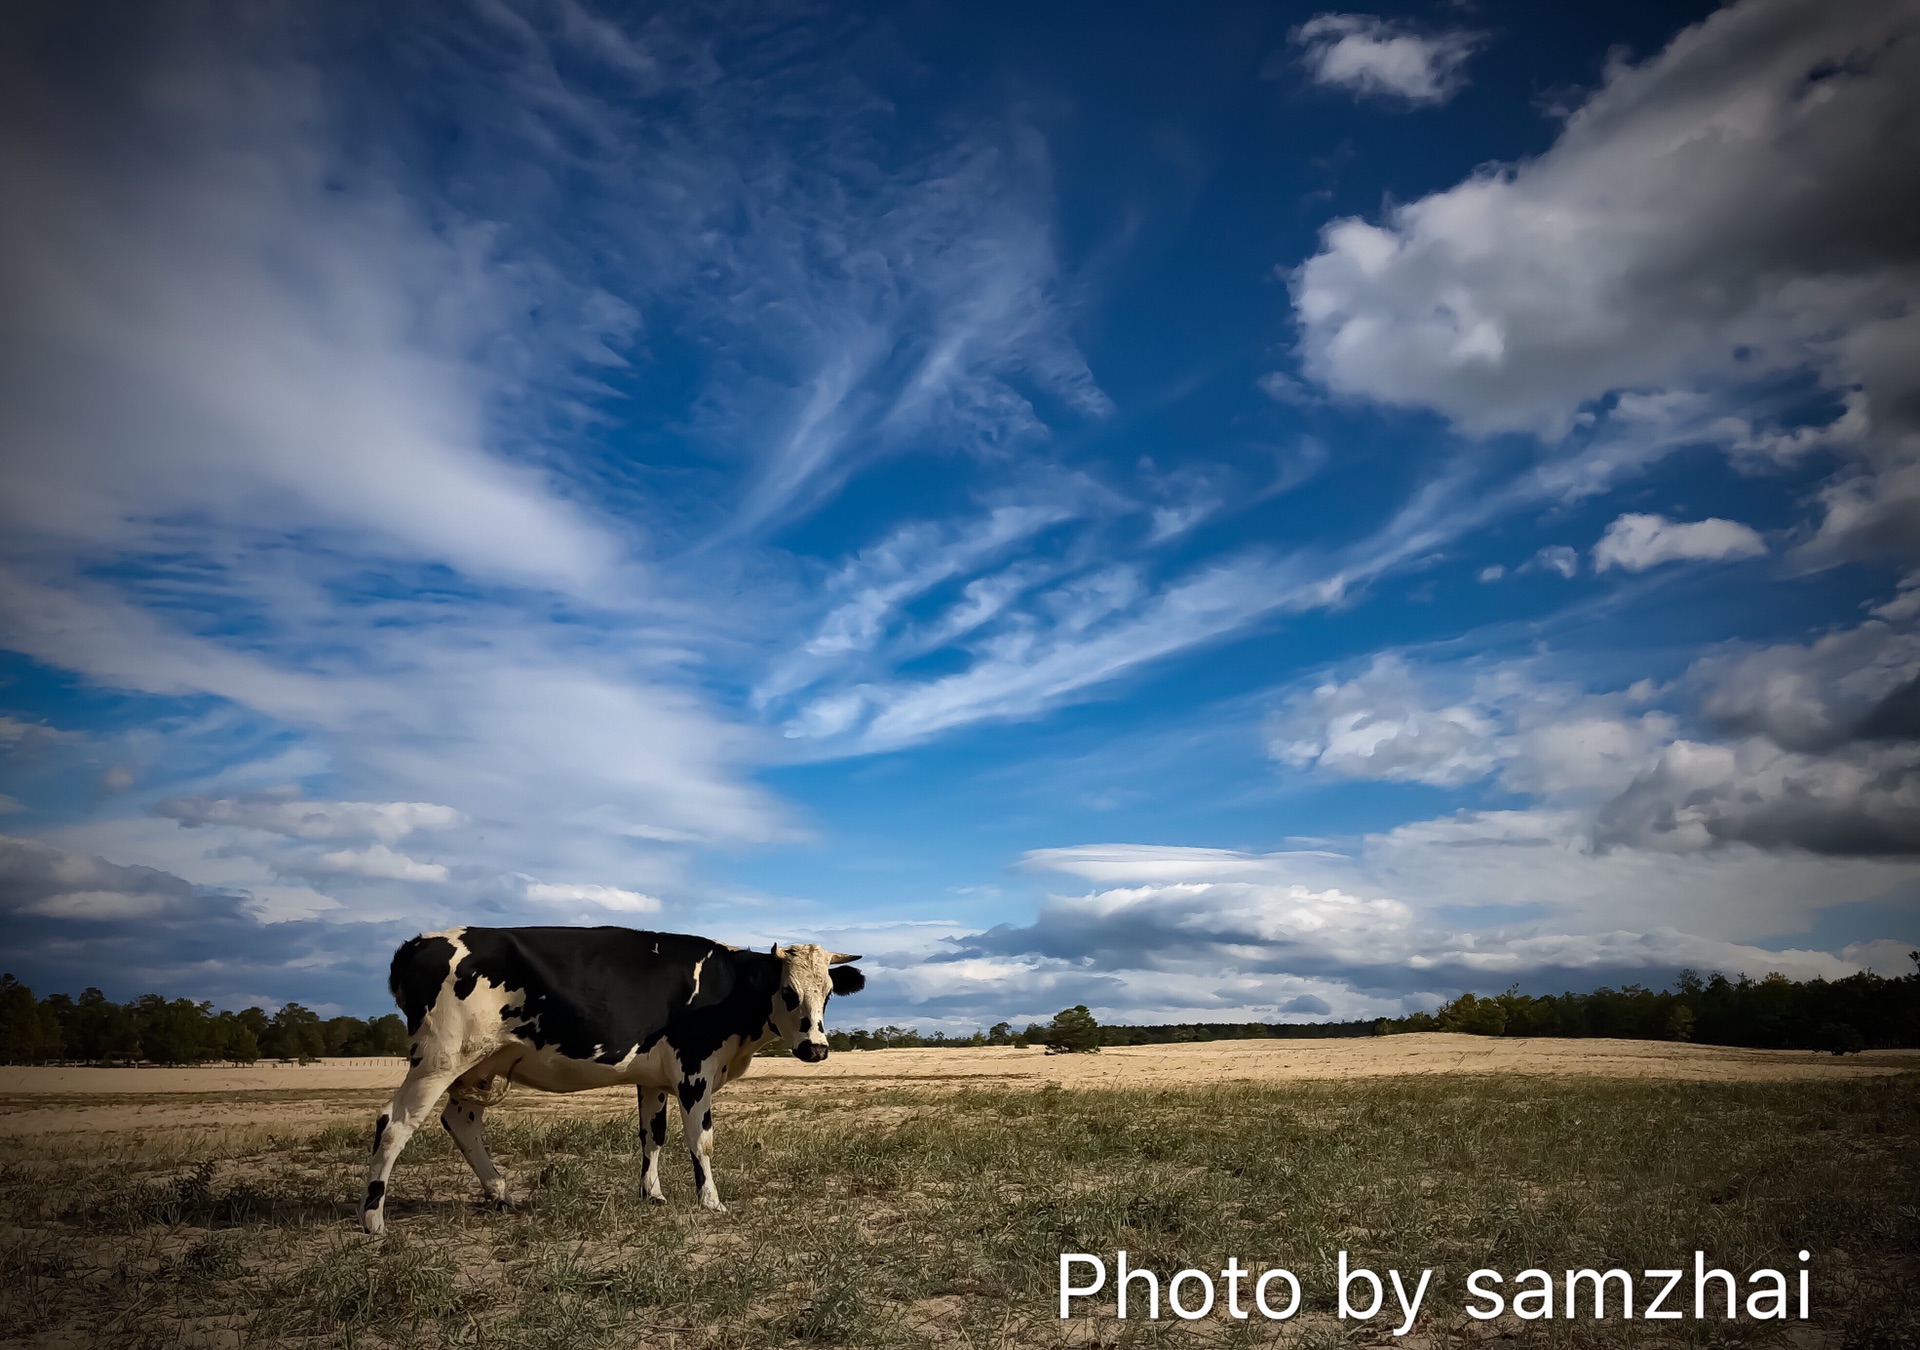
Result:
{"points": [[1270, 512]]}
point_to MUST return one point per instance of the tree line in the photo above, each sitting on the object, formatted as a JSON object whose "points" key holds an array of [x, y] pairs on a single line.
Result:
{"points": [[92, 1029], [1860, 1012]]}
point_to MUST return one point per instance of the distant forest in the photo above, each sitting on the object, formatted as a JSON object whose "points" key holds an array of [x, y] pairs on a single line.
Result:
{"points": [[92, 1029], [1860, 1012]]}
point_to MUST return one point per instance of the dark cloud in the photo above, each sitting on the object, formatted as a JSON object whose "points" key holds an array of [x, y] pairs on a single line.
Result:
{"points": [[1896, 718], [1861, 802], [71, 920], [1855, 684]]}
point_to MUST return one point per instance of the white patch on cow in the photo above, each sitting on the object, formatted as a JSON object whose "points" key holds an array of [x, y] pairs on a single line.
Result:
{"points": [[697, 967]]}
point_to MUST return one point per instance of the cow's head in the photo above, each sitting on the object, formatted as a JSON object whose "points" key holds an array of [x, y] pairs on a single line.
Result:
{"points": [[809, 975]]}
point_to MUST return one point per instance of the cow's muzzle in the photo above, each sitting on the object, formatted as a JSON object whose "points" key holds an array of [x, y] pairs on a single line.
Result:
{"points": [[810, 1052]]}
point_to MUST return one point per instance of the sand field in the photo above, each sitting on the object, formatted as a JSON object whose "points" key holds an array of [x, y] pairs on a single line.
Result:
{"points": [[39, 1102]]}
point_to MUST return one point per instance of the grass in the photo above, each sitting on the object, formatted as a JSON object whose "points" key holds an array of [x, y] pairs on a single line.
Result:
{"points": [[917, 1218]]}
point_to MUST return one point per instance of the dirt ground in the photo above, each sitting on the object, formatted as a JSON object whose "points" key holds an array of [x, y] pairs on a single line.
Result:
{"points": [[40, 1102]]}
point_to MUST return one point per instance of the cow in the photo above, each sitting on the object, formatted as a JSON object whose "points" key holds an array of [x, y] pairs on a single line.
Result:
{"points": [[566, 1009]]}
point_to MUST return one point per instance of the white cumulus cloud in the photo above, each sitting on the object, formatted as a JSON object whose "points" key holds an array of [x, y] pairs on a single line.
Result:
{"points": [[1727, 215], [1369, 56], [1635, 542]]}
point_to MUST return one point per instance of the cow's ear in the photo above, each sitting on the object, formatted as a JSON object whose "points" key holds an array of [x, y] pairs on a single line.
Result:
{"points": [[848, 979], [840, 959]]}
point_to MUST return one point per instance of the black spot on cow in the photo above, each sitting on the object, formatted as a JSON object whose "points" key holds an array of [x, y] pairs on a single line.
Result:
{"points": [[446, 1122], [379, 1128], [699, 1174], [806, 1024], [691, 1091], [790, 997], [660, 1124], [414, 1059], [376, 1192], [418, 972]]}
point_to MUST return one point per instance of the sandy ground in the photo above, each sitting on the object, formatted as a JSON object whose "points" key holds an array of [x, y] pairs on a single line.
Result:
{"points": [[42, 1102]]}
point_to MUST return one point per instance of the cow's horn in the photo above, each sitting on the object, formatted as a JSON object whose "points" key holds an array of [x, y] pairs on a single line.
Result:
{"points": [[776, 949], [840, 959]]}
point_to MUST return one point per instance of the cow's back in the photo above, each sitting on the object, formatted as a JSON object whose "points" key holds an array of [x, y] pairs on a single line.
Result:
{"points": [[578, 993]]}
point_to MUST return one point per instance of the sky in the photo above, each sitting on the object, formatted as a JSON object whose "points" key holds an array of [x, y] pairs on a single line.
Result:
{"points": [[1248, 512]]}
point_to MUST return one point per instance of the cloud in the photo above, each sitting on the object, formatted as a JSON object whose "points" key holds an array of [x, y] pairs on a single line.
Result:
{"points": [[1845, 685], [1378, 726], [291, 340], [1637, 542], [1372, 57], [74, 919], [1823, 757], [1185, 934], [595, 896], [377, 860], [1562, 561], [298, 818], [1859, 803], [1905, 604], [1448, 726], [38, 879], [1710, 225]]}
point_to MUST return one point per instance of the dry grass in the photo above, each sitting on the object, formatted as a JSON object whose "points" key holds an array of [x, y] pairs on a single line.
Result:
{"points": [[927, 1216]]}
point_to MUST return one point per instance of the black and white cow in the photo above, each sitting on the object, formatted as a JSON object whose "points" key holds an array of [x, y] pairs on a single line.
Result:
{"points": [[564, 1009]]}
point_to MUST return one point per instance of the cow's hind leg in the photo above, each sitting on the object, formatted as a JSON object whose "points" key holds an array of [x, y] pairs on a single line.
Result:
{"points": [[396, 1125], [464, 1119], [653, 1133], [696, 1118]]}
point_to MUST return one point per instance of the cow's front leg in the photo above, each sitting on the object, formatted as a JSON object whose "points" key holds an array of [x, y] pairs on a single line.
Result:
{"points": [[696, 1117], [416, 1096], [653, 1133]]}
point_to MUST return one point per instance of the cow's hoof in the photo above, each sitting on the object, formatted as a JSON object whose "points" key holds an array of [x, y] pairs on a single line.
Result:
{"points": [[374, 1222], [655, 1199], [712, 1202]]}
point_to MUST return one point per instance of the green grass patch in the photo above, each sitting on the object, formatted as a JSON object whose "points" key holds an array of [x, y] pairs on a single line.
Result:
{"points": [[909, 1218]]}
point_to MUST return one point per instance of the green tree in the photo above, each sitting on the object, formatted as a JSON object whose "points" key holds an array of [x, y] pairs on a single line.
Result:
{"points": [[29, 1034], [176, 1031], [1073, 1031], [294, 1033], [388, 1036]]}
